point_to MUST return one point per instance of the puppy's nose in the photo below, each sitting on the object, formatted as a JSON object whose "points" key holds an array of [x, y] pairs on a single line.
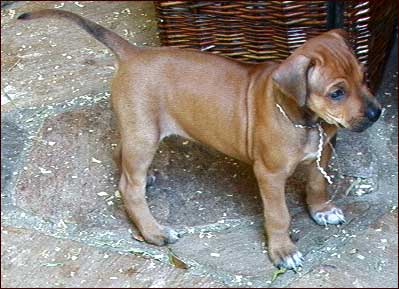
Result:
{"points": [[373, 112]]}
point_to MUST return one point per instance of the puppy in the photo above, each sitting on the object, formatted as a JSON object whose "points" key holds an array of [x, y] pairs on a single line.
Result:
{"points": [[272, 116]]}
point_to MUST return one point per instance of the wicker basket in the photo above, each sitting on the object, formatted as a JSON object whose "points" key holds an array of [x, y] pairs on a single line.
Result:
{"points": [[256, 31]]}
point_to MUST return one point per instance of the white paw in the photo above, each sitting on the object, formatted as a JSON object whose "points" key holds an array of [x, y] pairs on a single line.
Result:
{"points": [[172, 235], [333, 216], [292, 262]]}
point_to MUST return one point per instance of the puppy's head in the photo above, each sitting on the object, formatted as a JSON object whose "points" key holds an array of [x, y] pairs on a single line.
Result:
{"points": [[325, 76]]}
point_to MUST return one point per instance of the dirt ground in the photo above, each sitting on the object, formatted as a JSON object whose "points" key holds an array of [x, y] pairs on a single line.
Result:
{"points": [[63, 222]]}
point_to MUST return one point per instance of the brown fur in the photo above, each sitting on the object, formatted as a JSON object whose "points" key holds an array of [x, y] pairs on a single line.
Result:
{"points": [[231, 106]]}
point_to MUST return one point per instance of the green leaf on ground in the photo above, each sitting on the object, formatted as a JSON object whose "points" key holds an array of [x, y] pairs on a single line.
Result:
{"points": [[277, 273], [175, 261]]}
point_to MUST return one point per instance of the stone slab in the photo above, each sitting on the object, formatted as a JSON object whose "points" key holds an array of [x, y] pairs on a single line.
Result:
{"points": [[70, 165], [47, 61], [30, 259], [369, 260], [241, 250], [13, 139]]}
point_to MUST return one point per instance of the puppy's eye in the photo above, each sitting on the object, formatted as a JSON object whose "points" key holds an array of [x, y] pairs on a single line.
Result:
{"points": [[337, 94]]}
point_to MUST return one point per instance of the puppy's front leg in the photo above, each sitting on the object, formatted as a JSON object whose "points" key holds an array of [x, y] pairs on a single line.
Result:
{"points": [[321, 209], [282, 250]]}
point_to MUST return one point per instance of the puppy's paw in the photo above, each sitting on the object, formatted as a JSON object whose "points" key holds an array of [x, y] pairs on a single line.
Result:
{"points": [[172, 235], [162, 237], [289, 258], [333, 216]]}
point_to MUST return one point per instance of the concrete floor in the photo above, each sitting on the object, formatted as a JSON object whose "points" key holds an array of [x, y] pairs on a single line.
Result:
{"points": [[63, 223]]}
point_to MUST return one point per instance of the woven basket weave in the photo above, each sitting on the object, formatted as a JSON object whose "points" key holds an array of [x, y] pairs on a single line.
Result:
{"points": [[255, 31]]}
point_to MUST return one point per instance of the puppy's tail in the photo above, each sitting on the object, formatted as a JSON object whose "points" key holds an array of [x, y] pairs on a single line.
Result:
{"points": [[113, 41]]}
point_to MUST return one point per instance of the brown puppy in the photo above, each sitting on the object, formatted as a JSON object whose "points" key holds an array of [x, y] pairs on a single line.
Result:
{"points": [[272, 116]]}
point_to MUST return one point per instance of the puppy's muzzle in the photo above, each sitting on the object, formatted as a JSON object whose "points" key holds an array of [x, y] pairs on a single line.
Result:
{"points": [[371, 115]]}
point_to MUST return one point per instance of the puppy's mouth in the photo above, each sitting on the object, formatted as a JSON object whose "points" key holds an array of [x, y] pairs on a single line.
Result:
{"points": [[334, 121]]}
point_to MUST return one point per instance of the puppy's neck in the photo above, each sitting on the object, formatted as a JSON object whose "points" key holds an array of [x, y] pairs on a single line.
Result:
{"points": [[302, 116]]}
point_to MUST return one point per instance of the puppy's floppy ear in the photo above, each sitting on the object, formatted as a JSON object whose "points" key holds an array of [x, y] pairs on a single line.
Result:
{"points": [[291, 77]]}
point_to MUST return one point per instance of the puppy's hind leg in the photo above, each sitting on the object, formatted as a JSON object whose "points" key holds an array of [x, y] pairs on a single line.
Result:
{"points": [[136, 156], [117, 158]]}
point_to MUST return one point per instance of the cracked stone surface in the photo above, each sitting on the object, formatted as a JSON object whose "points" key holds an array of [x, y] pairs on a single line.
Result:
{"points": [[72, 264], [63, 221], [348, 266]]}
